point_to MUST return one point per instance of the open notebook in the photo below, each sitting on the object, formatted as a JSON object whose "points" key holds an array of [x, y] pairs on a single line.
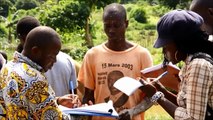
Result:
{"points": [[101, 109], [170, 80]]}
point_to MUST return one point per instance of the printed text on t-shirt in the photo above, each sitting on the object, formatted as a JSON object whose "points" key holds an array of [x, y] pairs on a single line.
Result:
{"points": [[124, 65]]}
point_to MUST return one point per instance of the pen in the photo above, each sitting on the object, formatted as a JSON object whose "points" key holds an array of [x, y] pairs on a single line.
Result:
{"points": [[72, 88], [160, 76]]}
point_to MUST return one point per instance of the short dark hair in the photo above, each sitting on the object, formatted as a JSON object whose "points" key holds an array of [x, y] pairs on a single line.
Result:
{"points": [[115, 7], [41, 36], [26, 24]]}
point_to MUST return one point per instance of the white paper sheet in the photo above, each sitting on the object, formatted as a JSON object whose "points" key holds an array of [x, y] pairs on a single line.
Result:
{"points": [[127, 85]]}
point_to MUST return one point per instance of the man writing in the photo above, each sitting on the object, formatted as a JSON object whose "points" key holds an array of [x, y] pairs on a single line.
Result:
{"points": [[24, 91]]}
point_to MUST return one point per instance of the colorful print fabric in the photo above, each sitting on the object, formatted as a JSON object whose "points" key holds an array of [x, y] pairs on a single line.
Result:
{"points": [[25, 93]]}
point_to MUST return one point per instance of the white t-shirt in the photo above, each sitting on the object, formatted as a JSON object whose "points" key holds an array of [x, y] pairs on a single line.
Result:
{"points": [[210, 37], [60, 75]]}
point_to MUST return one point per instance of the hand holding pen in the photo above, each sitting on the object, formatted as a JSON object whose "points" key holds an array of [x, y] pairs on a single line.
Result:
{"points": [[156, 82], [149, 86], [69, 101], [158, 78], [75, 102]]}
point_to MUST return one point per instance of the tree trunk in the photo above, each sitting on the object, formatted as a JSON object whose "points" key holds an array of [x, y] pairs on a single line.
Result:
{"points": [[9, 35], [88, 37]]}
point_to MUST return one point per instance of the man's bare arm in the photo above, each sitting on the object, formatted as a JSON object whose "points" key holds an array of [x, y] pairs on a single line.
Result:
{"points": [[88, 96]]}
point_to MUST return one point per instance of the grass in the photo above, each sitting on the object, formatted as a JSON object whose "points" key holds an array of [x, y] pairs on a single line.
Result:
{"points": [[156, 112]]}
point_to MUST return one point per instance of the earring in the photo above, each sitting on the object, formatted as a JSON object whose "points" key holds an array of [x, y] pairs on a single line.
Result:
{"points": [[176, 52]]}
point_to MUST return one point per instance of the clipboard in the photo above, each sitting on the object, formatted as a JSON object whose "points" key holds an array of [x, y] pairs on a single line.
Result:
{"points": [[101, 109]]}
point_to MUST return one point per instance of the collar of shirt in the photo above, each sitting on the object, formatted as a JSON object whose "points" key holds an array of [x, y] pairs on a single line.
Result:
{"points": [[189, 57], [18, 57]]}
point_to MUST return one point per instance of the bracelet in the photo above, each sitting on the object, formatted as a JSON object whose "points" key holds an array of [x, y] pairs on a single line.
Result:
{"points": [[156, 97]]}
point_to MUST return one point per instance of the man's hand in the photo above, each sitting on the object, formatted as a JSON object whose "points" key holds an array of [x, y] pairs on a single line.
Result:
{"points": [[147, 88], [69, 101], [125, 115]]}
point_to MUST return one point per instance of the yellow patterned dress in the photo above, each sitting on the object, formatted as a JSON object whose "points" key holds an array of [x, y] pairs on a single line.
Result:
{"points": [[25, 93]]}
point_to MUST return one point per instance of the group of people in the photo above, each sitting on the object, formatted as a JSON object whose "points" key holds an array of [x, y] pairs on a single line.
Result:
{"points": [[42, 72], [37, 80]]}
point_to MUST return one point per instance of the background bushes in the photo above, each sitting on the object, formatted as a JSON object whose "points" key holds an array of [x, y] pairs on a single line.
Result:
{"points": [[139, 15]]}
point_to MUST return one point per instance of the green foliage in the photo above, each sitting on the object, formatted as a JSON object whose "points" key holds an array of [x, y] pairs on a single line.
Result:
{"points": [[160, 10], [138, 14], [75, 38], [92, 5], [128, 1], [26, 4], [73, 44], [145, 33], [78, 53], [68, 16], [170, 3], [97, 3], [184, 4], [3, 31], [4, 7], [152, 2], [150, 27], [156, 112]]}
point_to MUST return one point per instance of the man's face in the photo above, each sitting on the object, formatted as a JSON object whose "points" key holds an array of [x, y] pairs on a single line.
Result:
{"points": [[111, 79], [114, 26], [48, 56], [207, 14]]}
